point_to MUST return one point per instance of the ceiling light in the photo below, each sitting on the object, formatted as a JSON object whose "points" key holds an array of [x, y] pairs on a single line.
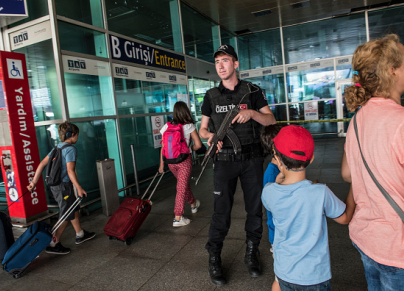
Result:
{"points": [[300, 4], [261, 12]]}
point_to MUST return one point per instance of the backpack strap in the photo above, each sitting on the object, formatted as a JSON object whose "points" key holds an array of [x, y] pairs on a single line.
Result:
{"points": [[63, 147]]}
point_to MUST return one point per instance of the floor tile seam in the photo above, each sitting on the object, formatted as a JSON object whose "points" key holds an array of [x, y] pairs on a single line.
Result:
{"points": [[192, 237]]}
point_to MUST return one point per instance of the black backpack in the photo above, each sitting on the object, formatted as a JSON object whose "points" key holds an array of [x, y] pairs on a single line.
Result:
{"points": [[54, 168]]}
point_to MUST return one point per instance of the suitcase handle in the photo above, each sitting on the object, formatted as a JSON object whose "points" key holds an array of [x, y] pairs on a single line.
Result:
{"points": [[67, 213], [155, 187]]}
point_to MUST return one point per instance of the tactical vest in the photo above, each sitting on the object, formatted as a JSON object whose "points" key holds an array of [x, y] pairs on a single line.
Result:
{"points": [[220, 103]]}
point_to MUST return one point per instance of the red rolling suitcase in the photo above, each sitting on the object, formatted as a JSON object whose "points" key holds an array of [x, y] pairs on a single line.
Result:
{"points": [[128, 218]]}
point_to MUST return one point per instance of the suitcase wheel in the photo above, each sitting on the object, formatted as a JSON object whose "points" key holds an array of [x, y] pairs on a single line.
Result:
{"points": [[111, 238], [17, 275], [128, 241]]}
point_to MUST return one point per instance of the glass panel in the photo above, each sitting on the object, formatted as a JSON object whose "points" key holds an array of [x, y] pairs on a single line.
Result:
{"points": [[260, 50], [273, 87], [344, 72], [385, 21], [87, 11], [324, 39], [227, 38], [279, 112], [345, 110], [89, 95], [97, 141], [138, 131], [153, 21], [47, 137], [201, 36], [326, 110], [36, 9], [86, 41], [197, 91], [42, 79], [311, 84], [139, 97]]}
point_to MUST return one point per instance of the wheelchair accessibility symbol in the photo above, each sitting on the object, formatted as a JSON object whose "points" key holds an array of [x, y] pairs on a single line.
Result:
{"points": [[15, 69]]}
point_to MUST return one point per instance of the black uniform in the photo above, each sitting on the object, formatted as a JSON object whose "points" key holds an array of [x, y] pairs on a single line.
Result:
{"points": [[248, 165]]}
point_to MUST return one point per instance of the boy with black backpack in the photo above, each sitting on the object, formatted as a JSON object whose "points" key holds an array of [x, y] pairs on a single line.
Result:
{"points": [[60, 177]]}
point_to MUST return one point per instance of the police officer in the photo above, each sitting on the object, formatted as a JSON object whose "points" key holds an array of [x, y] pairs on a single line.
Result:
{"points": [[247, 165]]}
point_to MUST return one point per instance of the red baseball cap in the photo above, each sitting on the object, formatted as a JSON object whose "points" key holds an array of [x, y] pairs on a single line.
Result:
{"points": [[295, 142]]}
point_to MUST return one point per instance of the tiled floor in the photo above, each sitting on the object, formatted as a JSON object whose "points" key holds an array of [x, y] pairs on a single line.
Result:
{"points": [[165, 258]]}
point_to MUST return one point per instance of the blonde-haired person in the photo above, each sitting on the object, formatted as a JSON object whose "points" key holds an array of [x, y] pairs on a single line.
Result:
{"points": [[64, 193], [376, 230]]}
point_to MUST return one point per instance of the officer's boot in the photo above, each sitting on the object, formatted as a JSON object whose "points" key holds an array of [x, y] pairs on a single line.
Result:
{"points": [[251, 259], [215, 270]]}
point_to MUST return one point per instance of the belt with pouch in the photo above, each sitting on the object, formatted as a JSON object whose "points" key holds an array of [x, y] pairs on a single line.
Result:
{"points": [[228, 155]]}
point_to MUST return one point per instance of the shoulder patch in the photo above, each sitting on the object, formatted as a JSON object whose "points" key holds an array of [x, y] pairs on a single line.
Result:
{"points": [[263, 95]]}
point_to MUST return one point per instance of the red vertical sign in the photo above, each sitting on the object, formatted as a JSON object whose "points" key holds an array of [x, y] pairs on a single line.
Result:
{"points": [[23, 152]]}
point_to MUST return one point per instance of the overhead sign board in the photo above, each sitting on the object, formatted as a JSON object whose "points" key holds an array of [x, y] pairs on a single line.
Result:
{"points": [[134, 73], [134, 52], [30, 35], [261, 72], [13, 8], [85, 66]]}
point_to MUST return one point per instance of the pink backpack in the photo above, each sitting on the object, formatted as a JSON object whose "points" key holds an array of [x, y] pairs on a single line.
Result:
{"points": [[175, 148]]}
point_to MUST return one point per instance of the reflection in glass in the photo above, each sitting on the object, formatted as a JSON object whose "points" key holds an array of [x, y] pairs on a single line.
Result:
{"points": [[47, 137], [138, 131], [139, 97], [385, 21], [89, 95], [279, 112], [42, 79], [86, 41], [311, 84], [197, 91], [344, 72], [87, 11], [153, 21], [260, 50], [345, 110], [97, 141], [201, 36], [36, 9], [324, 39], [227, 38], [326, 110], [273, 87]]}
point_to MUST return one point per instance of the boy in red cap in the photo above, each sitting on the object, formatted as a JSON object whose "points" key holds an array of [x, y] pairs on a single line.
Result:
{"points": [[299, 210]]}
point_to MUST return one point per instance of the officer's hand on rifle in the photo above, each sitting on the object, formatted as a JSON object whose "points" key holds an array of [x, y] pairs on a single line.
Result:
{"points": [[243, 116], [219, 143]]}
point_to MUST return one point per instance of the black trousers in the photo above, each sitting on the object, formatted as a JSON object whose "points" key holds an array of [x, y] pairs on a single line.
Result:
{"points": [[226, 175]]}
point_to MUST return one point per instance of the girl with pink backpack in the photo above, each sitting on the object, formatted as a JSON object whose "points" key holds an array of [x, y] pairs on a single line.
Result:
{"points": [[177, 136]]}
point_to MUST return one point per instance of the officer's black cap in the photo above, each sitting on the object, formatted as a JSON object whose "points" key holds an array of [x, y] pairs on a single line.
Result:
{"points": [[227, 49]]}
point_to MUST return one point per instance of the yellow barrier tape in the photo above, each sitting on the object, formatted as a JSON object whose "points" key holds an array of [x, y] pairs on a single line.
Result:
{"points": [[315, 121]]}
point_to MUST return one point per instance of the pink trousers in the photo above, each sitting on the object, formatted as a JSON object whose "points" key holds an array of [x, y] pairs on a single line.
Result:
{"points": [[182, 172]]}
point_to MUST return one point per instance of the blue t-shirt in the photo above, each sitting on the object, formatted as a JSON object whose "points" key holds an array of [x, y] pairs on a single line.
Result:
{"points": [[270, 175], [301, 242], [69, 154]]}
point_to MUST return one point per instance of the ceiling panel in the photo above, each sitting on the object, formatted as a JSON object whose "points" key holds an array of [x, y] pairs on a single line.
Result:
{"points": [[235, 15]]}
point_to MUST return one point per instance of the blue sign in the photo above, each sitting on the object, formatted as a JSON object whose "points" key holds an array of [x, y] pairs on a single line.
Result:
{"points": [[133, 52], [13, 8]]}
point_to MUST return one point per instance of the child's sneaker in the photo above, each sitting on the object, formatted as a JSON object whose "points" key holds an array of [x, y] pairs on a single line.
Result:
{"points": [[87, 236], [58, 249], [182, 222], [197, 204]]}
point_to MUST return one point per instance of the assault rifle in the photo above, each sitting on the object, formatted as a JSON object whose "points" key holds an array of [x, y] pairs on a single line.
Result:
{"points": [[225, 129]]}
